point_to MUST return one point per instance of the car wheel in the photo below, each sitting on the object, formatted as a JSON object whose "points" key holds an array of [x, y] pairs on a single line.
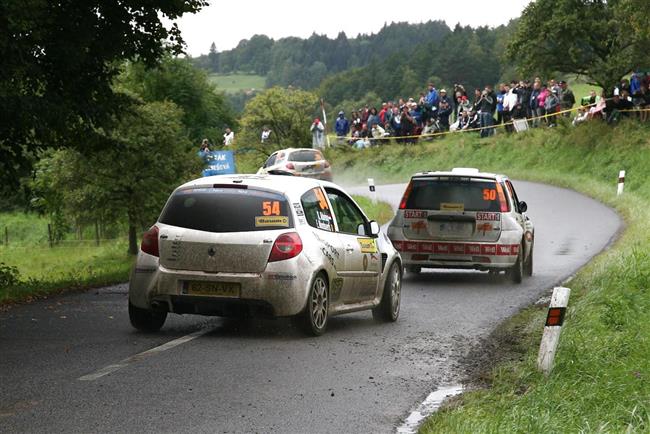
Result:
{"points": [[146, 320], [529, 262], [388, 308], [414, 269], [516, 273], [314, 318]]}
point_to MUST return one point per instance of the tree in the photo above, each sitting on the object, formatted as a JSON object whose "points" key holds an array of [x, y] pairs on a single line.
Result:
{"points": [[59, 59], [287, 112], [206, 112], [151, 156], [593, 38], [213, 58]]}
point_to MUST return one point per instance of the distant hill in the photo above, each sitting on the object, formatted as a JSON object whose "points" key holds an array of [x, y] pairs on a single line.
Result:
{"points": [[306, 62]]}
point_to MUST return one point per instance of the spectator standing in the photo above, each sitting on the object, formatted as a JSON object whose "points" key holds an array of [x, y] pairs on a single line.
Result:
{"points": [[541, 102], [567, 99], [373, 118], [552, 104], [382, 113], [499, 100], [356, 121], [485, 104], [432, 97], [228, 137], [396, 122], [266, 133], [510, 106], [342, 127], [444, 110], [533, 103], [317, 134]]}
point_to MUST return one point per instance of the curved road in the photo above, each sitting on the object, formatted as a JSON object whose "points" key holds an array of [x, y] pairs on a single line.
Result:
{"points": [[264, 376]]}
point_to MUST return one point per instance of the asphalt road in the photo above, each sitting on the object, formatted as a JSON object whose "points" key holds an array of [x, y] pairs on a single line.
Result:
{"points": [[264, 375]]}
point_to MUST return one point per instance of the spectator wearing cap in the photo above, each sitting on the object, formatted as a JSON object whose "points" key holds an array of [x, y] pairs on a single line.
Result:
{"points": [[567, 99], [444, 110], [342, 127]]}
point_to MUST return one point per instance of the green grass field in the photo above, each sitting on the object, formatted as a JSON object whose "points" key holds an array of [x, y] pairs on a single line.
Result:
{"points": [[601, 378], [233, 83]]}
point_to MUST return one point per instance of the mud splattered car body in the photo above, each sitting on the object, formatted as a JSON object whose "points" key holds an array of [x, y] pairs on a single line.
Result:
{"points": [[263, 245]]}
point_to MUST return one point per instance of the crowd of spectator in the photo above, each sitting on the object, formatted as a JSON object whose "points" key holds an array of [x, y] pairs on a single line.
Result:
{"points": [[538, 103]]}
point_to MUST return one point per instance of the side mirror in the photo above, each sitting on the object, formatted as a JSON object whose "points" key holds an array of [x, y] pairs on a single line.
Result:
{"points": [[523, 206], [374, 228]]}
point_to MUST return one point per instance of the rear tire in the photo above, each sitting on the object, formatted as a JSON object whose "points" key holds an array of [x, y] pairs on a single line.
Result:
{"points": [[314, 319], [388, 308], [528, 268], [146, 320], [516, 273]]}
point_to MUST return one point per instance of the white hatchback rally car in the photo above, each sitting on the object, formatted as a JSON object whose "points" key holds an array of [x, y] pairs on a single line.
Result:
{"points": [[463, 219], [263, 245]]}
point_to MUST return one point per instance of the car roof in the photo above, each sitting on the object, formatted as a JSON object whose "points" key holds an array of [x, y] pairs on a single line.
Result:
{"points": [[460, 171], [289, 150], [292, 186]]}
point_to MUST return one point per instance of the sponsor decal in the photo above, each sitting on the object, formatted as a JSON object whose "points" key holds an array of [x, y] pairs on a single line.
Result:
{"points": [[488, 249], [298, 208], [365, 262], [441, 248], [457, 248], [410, 246], [262, 221], [458, 207], [281, 276], [472, 249], [414, 214], [419, 225], [484, 228], [488, 216], [426, 248], [399, 245], [504, 249], [368, 245]]}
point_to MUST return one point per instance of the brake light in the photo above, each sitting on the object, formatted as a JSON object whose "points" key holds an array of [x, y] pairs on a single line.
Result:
{"points": [[290, 166], [150, 241], [402, 204], [286, 246], [502, 199]]}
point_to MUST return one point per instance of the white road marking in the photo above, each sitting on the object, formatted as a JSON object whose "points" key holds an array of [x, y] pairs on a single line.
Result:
{"points": [[427, 408], [140, 356]]}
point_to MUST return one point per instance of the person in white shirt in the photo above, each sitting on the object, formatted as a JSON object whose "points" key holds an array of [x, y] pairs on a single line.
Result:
{"points": [[266, 132], [229, 137]]}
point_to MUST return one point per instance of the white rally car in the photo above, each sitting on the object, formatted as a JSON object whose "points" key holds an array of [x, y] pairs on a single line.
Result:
{"points": [[463, 219], [260, 244]]}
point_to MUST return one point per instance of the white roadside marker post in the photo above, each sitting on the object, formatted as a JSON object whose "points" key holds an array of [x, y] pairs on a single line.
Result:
{"points": [[371, 187], [621, 182], [552, 329]]}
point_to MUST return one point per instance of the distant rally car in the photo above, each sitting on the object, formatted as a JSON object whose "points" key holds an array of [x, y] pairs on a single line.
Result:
{"points": [[305, 162], [262, 244], [463, 219]]}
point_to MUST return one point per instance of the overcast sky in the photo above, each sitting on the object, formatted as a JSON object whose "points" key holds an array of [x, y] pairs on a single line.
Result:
{"points": [[228, 22]]}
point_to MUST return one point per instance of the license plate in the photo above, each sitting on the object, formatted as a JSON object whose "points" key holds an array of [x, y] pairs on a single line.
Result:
{"points": [[455, 228], [218, 289]]}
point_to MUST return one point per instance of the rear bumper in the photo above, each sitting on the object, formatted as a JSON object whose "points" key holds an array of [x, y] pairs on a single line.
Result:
{"points": [[468, 255], [280, 290]]}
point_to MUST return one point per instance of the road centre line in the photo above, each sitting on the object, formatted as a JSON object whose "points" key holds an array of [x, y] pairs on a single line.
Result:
{"points": [[143, 355]]}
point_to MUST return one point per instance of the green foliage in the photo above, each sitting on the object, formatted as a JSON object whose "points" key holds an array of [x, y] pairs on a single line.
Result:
{"points": [[305, 62], [9, 275], [381, 212], [206, 112], [151, 157], [58, 63], [602, 40], [599, 382], [287, 112], [233, 83]]}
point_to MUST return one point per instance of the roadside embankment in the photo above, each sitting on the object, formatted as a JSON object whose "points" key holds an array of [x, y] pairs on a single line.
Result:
{"points": [[601, 377]]}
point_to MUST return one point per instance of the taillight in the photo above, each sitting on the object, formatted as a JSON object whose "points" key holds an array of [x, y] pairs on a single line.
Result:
{"points": [[290, 166], [286, 246], [327, 164], [402, 204], [502, 199], [150, 241]]}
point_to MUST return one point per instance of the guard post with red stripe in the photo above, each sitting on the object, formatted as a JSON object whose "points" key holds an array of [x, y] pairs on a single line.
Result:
{"points": [[552, 329], [621, 182]]}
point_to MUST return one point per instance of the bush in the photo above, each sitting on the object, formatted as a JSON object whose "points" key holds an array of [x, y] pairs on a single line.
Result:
{"points": [[9, 276]]}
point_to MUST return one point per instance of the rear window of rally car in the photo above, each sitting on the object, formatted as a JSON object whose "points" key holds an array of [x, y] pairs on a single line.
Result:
{"points": [[227, 210], [305, 156], [448, 193]]}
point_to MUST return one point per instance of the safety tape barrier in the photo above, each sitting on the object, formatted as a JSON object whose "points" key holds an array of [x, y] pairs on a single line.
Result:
{"points": [[501, 125]]}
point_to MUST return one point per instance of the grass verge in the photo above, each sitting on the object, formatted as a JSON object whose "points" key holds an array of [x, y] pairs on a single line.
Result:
{"points": [[379, 211], [601, 377], [232, 83]]}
